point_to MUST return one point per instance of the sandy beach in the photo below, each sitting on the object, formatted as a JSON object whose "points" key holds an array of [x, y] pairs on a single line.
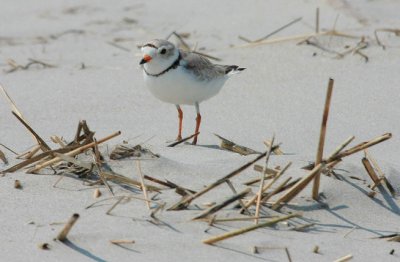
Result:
{"points": [[66, 61]]}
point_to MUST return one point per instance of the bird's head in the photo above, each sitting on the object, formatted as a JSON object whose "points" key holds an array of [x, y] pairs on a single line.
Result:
{"points": [[158, 55]]}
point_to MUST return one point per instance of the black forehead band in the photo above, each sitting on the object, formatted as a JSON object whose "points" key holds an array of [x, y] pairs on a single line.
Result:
{"points": [[150, 45]]}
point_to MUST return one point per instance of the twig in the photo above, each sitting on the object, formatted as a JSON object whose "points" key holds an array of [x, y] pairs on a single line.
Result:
{"points": [[315, 190], [277, 148], [215, 239], [119, 46], [298, 187], [223, 204], [341, 147], [186, 201], [390, 30], [344, 259], [3, 157], [62, 236], [266, 187], [9, 149], [144, 189], [362, 146], [116, 204], [239, 200], [183, 140], [276, 190], [296, 37], [371, 171], [114, 197], [233, 219], [232, 146], [41, 142], [255, 180], [98, 164], [73, 152], [261, 189], [272, 33]]}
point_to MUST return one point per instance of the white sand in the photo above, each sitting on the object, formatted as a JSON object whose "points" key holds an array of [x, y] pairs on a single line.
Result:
{"points": [[282, 92]]}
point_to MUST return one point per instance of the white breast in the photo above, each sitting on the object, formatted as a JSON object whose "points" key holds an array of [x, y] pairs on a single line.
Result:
{"points": [[178, 86]]}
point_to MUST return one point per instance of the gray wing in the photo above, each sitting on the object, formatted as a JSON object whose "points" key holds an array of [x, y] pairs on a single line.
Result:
{"points": [[202, 68]]}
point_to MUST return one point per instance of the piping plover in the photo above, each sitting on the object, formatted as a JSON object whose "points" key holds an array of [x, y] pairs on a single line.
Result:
{"points": [[182, 78]]}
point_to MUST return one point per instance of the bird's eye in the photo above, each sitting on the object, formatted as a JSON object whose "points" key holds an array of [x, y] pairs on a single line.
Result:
{"points": [[163, 51]]}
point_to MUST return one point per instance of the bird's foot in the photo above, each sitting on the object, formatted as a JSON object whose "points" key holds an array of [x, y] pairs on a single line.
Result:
{"points": [[179, 138]]}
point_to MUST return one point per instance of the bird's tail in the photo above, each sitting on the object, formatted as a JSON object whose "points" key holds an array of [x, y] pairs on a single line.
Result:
{"points": [[233, 69]]}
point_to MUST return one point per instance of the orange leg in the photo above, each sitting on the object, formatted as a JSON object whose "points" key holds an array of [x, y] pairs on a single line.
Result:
{"points": [[198, 121], [180, 116]]}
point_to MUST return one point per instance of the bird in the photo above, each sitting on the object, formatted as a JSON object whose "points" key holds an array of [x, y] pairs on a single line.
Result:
{"points": [[182, 77]]}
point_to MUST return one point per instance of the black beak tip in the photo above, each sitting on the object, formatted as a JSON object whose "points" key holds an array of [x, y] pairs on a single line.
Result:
{"points": [[142, 62]]}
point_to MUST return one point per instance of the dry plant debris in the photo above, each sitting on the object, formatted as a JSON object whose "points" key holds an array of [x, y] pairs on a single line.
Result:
{"points": [[15, 66], [314, 39], [124, 151], [82, 158], [232, 146], [62, 236]]}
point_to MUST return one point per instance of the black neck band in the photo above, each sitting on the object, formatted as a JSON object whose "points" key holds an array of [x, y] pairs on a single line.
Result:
{"points": [[173, 66]]}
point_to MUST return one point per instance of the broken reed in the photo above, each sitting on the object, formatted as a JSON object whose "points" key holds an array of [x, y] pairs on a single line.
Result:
{"points": [[215, 239], [318, 168], [261, 189], [74, 152], [187, 200], [62, 236], [315, 190]]}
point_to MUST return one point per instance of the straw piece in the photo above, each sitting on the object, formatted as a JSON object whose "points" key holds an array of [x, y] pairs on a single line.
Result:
{"points": [[298, 187], [117, 178], [122, 241], [362, 146], [371, 171], [261, 189], [277, 189], [277, 149], [183, 140], [315, 190], [344, 259], [17, 184], [187, 200], [223, 204], [41, 142], [340, 147], [62, 236], [116, 204], [267, 170], [266, 187], [232, 146], [144, 189], [272, 33], [74, 152], [3, 157], [212, 240], [96, 193], [256, 180], [233, 219], [239, 200]]}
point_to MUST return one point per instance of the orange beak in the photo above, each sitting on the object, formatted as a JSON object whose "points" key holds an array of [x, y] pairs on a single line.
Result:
{"points": [[146, 58]]}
